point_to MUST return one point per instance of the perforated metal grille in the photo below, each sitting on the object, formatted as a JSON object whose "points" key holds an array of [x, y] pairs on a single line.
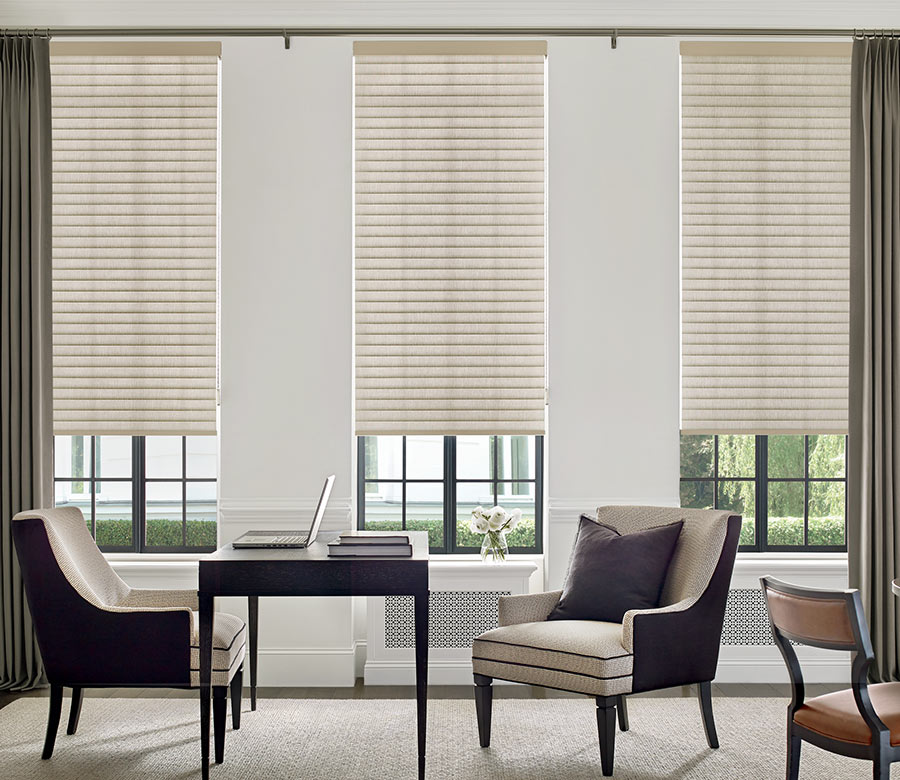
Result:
{"points": [[455, 618], [746, 619]]}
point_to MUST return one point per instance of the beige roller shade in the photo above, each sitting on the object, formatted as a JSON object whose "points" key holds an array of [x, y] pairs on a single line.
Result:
{"points": [[450, 242], [765, 241], [134, 240]]}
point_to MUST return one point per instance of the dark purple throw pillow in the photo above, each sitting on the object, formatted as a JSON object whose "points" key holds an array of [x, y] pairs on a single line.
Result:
{"points": [[611, 573]]}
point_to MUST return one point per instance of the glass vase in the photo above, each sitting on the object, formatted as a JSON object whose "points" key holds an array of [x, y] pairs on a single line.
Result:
{"points": [[494, 548]]}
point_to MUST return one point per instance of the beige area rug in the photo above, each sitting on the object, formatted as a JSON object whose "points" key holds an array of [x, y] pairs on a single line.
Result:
{"points": [[126, 739]]}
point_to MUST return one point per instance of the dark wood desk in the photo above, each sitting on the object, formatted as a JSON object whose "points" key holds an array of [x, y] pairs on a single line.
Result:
{"points": [[310, 572]]}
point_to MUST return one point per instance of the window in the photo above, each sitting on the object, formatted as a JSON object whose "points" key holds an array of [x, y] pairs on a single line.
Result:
{"points": [[432, 483], [765, 162], [141, 493], [790, 489], [135, 290]]}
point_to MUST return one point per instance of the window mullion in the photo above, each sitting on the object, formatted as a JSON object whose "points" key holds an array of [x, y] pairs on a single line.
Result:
{"points": [[762, 493], [361, 482], [138, 494], [449, 494]]}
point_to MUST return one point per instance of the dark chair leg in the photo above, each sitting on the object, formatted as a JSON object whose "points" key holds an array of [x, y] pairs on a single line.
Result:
{"points": [[793, 756], [704, 692], [881, 769], [622, 709], [253, 631], [56, 696], [237, 684], [220, 706], [606, 730], [484, 698], [74, 711]]}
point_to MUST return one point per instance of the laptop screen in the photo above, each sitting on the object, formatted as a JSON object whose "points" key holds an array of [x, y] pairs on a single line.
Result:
{"points": [[320, 509]]}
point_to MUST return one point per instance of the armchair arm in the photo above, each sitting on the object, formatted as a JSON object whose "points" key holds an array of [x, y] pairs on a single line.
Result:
{"points": [[527, 608], [631, 614], [166, 599]]}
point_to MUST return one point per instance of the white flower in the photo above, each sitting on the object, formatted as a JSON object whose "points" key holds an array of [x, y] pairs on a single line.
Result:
{"points": [[497, 518], [479, 522], [515, 517]]}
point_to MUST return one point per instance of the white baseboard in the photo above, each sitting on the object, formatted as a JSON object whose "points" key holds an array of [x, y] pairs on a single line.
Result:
{"points": [[764, 664], [306, 666], [737, 664], [404, 673]]}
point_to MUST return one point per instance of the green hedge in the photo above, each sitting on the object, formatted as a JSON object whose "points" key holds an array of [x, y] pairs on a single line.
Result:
{"points": [[788, 531], [161, 532], [521, 536]]}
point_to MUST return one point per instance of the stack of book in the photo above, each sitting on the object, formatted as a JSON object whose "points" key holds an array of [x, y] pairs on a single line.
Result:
{"points": [[359, 544]]}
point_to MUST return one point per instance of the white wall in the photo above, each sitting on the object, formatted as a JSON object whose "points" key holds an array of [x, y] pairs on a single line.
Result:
{"points": [[613, 280], [286, 282]]}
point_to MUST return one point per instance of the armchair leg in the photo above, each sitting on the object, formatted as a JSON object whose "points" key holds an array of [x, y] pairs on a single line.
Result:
{"points": [[704, 693], [220, 705], [56, 696], [793, 756], [484, 698], [622, 709], [606, 730], [881, 769], [74, 711], [237, 684]]}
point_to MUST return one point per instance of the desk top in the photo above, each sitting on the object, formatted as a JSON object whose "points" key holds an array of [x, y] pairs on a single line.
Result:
{"points": [[317, 551]]}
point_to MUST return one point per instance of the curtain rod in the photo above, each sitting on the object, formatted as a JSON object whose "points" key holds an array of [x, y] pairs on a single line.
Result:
{"points": [[302, 32], [613, 33]]}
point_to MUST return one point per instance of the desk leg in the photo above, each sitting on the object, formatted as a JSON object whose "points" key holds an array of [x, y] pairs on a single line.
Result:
{"points": [[253, 619], [421, 617], [206, 632]]}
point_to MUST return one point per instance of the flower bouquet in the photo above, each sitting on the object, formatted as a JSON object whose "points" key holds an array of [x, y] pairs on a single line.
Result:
{"points": [[494, 524]]}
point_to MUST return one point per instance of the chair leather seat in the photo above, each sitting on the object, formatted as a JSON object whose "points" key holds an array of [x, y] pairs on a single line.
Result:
{"points": [[585, 656], [836, 715], [229, 641]]}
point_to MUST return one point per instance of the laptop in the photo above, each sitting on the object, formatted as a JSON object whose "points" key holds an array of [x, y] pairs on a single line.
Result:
{"points": [[263, 539]]}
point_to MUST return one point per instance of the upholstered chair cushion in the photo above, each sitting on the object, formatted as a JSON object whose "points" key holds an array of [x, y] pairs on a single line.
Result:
{"points": [[585, 656], [611, 573], [229, 642]]}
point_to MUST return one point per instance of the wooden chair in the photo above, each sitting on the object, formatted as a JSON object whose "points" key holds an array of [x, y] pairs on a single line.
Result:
{"points": [[862, 721], [94, 631]]}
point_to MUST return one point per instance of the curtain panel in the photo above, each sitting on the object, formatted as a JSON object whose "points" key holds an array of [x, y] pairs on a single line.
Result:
{"points": [[873, 505], [26, 438]]}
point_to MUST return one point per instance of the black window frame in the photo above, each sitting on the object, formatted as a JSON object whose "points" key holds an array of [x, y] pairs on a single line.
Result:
{"points": [[761, 497], [449, 480], [139, 481]]}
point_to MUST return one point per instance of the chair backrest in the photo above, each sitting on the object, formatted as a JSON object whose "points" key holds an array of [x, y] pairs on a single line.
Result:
{"points": [[831, 619], [78, 556], [697, 552]]}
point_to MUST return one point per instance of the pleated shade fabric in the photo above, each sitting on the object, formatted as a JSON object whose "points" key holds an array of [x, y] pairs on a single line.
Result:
{"points": [[450, 239], [765, 240], [135, 140]]}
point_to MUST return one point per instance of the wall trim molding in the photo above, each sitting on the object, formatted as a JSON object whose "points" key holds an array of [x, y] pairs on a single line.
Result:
{"points": [[284, 512], [568, 510]]}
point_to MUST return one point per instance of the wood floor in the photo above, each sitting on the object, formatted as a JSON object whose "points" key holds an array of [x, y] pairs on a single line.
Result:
{"points": [[361, 691]]}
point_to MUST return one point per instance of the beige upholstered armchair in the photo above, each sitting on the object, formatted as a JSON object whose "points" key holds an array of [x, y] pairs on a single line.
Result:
{"points": [[674, 644], [94, 631]]}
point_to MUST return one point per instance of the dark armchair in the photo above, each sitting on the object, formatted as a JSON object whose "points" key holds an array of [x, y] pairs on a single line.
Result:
{"points": [[674, 644], [94, 631]]}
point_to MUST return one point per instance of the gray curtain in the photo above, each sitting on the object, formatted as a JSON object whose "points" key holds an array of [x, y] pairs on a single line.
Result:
{"points": [[26, 437], [873, 501]]}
